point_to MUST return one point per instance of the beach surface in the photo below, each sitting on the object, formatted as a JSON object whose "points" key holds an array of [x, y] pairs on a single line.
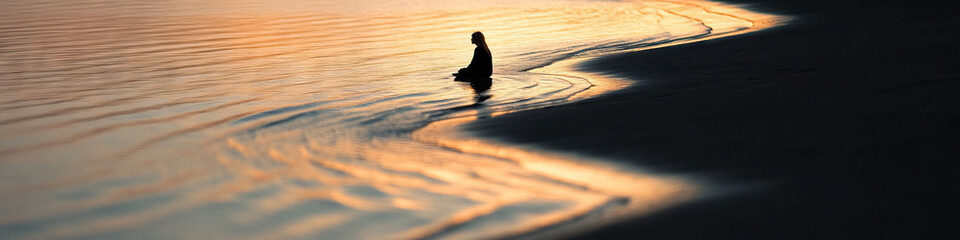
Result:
{"points": [[841, 124]]}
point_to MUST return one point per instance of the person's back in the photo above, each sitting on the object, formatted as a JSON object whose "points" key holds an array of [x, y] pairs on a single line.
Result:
{"points": [[482, 64]]}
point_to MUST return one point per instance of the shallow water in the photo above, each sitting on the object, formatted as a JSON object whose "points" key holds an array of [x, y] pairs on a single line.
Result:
{"points": [[247, 119]]}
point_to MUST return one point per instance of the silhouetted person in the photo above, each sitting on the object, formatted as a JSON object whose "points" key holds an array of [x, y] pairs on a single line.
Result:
{"points": [[481, 67]]}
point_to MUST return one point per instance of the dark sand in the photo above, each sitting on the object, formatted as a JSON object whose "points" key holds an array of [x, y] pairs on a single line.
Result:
{"points": [[849, 116]]}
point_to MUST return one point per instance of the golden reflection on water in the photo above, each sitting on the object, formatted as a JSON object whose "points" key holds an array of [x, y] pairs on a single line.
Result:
{"points": [[251, 119], [611, 191]]}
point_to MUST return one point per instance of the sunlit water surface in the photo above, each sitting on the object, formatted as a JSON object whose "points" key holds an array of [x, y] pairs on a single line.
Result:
{"points": [[246, 119]]}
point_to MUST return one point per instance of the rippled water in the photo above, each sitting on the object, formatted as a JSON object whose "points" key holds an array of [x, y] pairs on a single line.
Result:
{"points": [[262, 119]]}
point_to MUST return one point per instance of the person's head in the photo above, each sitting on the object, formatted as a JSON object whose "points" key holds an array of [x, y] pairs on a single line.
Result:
{"points": [[477, 38]]}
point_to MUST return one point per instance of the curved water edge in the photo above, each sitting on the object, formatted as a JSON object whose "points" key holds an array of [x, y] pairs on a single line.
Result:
{"points": [[631, 190], [162, 121]]}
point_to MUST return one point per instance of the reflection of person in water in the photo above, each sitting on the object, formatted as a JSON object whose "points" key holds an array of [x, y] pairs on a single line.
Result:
{"points": [[481, 67], [480, 87]]}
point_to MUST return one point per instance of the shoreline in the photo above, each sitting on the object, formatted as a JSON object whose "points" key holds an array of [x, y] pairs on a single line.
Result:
{"points": [[824, 114], [672, 189]]}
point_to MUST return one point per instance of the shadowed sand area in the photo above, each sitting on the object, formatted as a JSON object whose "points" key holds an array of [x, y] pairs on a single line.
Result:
{"points": [[839, 125]]}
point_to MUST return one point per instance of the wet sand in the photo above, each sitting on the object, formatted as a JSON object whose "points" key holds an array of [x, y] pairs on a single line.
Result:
{"points": [[841, 124]]}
